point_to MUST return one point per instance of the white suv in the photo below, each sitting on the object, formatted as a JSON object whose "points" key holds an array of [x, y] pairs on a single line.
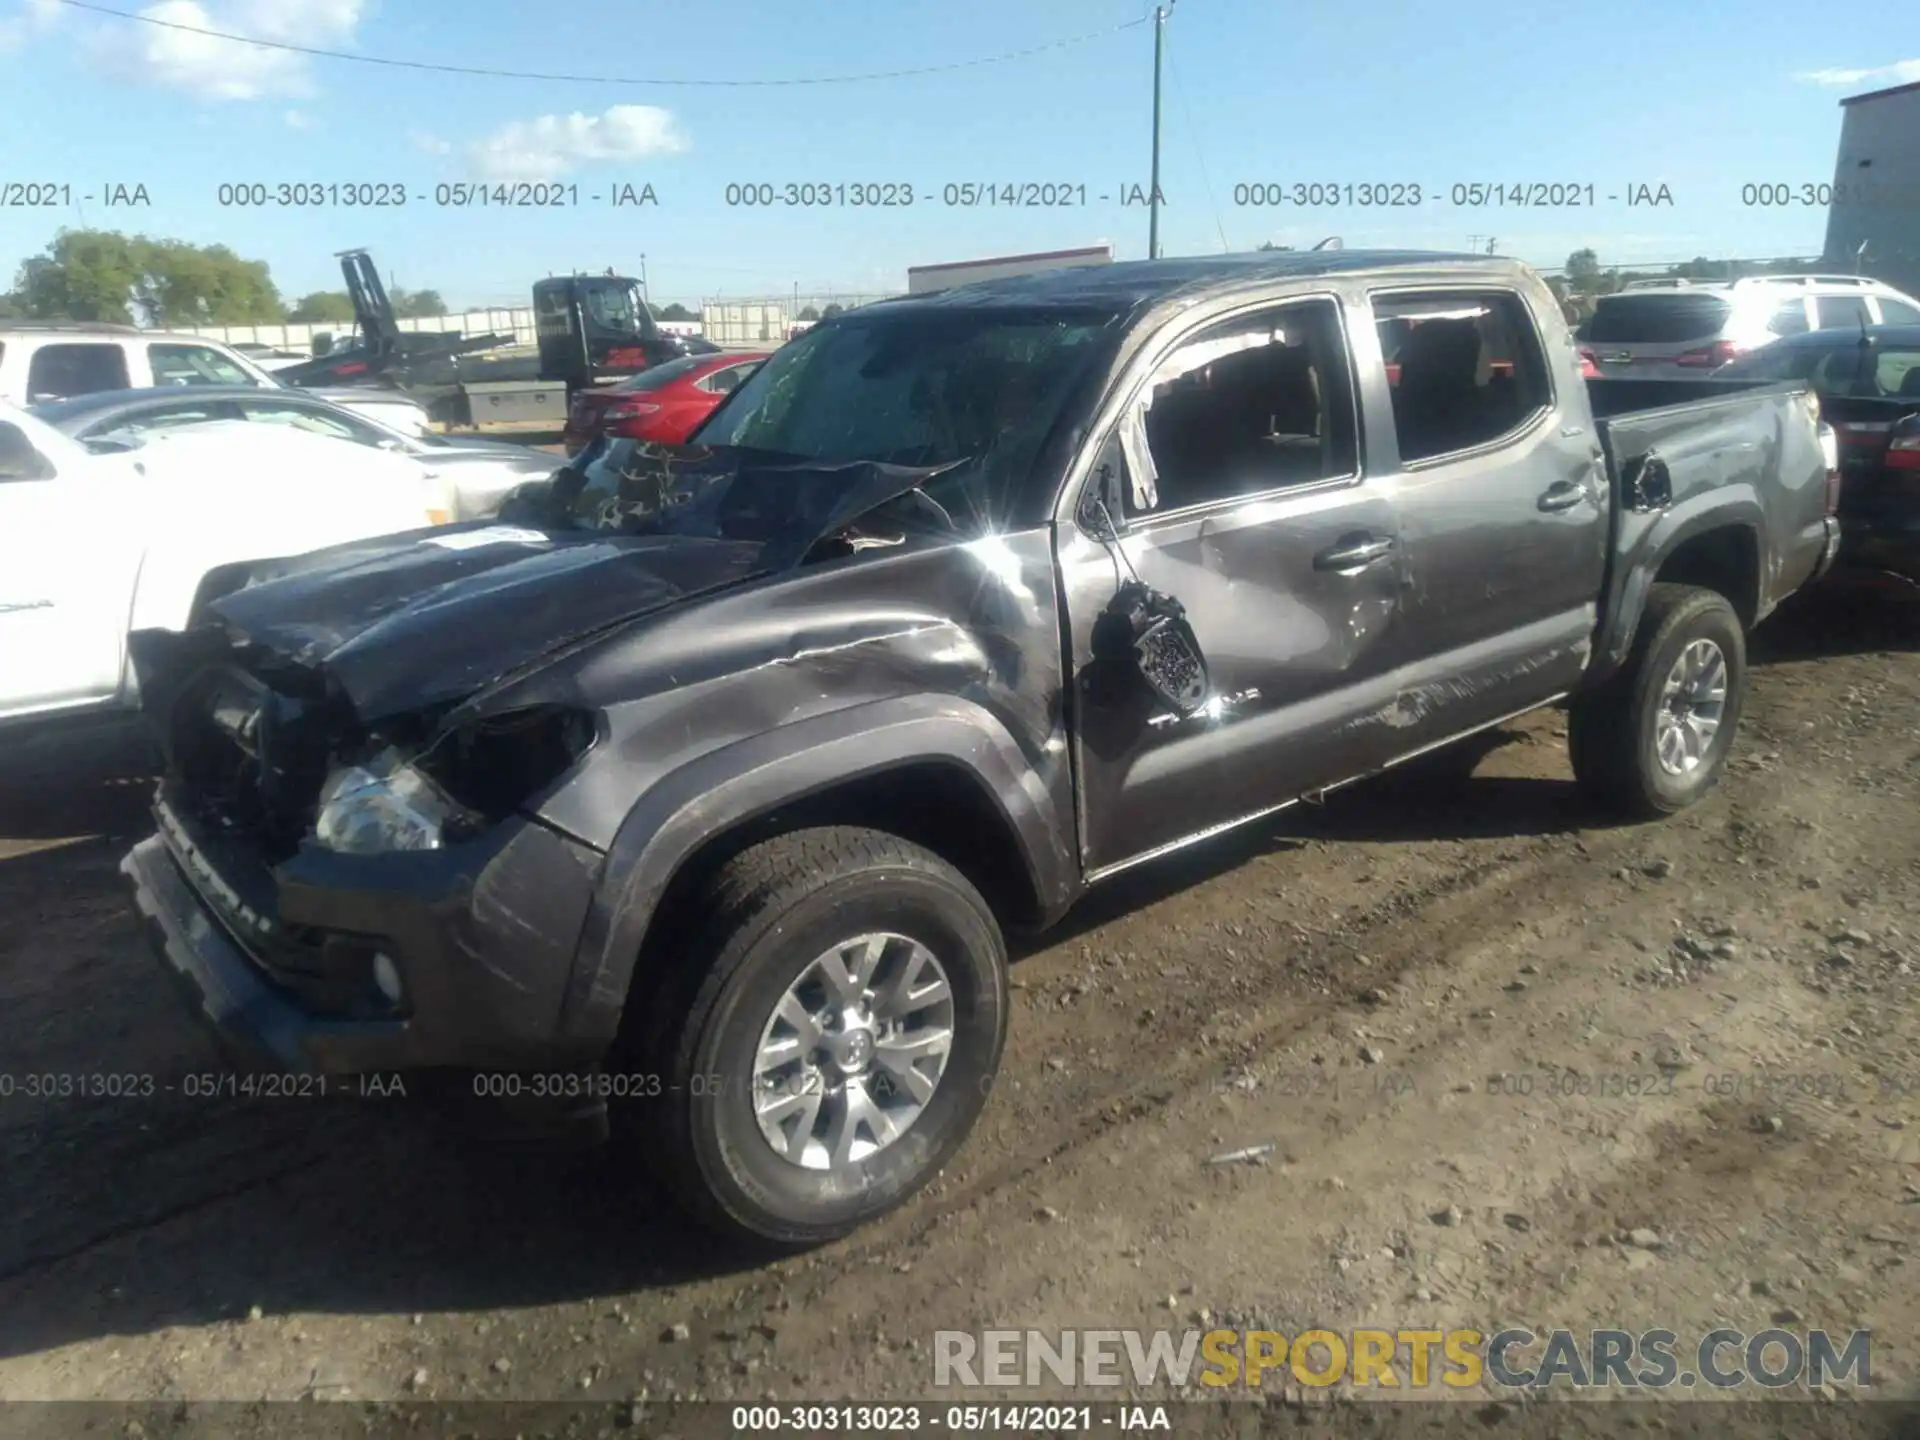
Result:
{"points": [[61, 361], [1677, 329]]}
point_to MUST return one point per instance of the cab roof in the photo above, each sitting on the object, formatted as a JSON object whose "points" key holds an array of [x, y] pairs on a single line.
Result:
{"points": [[1131, 284]]}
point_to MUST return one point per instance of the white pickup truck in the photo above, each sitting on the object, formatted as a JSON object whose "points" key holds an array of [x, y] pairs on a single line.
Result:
{"points": [[94, 544], [40, 362]]}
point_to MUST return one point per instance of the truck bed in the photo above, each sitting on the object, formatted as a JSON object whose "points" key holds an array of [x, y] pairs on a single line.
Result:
{"points": [[1737, 447]]}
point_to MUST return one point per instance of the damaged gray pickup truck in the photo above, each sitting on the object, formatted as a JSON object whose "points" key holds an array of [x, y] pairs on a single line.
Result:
{"points": [[709, 780]]}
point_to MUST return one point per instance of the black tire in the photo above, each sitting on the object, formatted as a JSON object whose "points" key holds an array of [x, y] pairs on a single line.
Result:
{"points": [[1612, 733], [758, 925]]}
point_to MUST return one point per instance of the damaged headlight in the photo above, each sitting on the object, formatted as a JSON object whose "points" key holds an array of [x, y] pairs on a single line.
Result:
{"points": [[383, 805]]}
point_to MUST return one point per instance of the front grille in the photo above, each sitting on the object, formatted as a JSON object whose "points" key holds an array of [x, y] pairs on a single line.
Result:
{"points": [[250, 760]]}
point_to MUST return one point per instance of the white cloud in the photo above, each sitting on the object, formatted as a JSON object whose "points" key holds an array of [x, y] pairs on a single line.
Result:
{"points": [[209, 68], [553, 145], [298, 120], [1901, 72], [428, 144], [26, 23]]}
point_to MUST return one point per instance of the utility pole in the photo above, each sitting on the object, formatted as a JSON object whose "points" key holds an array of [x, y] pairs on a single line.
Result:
{"points": [[646, 295], [1153, 193]]}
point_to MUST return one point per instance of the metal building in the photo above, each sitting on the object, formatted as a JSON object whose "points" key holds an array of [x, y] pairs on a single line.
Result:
{"points": [[1876, 188]]}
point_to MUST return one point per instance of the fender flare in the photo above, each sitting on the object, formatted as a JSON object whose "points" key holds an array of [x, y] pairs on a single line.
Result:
{"points": [[755, 776], [1722, 509]]}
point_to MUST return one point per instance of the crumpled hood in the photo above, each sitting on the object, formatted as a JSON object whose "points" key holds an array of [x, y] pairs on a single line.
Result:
{"points": [[406, 621], [409, 620]]}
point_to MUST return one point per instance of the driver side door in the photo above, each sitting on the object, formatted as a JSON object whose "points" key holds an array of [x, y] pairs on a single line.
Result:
{"points": [[1247, 501]]}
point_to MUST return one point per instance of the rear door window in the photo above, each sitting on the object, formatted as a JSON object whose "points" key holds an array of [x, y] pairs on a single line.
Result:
{"points": [[722, 382], [1832, 311], [1657, 319], [1897, 372], [660, 376], [1897, 312], [194, 365], [1468, 368], [84, 368]]}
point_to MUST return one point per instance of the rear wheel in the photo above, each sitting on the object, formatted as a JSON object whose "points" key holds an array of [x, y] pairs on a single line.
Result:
{"points": [[830, 1039], [1655, 738]]}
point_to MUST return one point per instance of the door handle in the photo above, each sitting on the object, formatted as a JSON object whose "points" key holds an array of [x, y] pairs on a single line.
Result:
{"points": [[1563, 495], [1353, 553]]}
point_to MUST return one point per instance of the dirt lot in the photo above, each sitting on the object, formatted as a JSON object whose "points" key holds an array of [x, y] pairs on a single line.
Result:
{"points": [[1513, 1070]]}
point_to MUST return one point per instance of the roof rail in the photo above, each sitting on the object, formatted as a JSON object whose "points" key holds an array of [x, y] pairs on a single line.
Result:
{"points": [[1851, 282], [96, 327], [1674, 284]]}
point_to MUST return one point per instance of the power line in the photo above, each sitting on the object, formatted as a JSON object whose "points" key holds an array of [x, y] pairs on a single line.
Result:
{"points": [[325, 54], [1193, 138]]}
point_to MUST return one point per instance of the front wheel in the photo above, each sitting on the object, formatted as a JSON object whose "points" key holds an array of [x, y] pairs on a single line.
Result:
{"points": [[1655, 738], [831, 1038]]}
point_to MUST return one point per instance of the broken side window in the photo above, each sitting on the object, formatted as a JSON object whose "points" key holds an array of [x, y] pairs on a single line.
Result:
{"points": [[1465, 368], [1260, 403]]}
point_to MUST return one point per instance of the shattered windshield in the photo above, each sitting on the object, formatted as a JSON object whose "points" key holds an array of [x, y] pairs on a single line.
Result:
{"points": [[975, 393], [786, 504]]}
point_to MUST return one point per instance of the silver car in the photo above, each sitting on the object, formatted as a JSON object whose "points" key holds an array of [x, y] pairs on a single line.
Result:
{"points": [[1684, 330], [476, 475]]}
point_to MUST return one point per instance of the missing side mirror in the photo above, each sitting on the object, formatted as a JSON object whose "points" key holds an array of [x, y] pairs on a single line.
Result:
{"points": [[1102, 499], [1149, 633]]}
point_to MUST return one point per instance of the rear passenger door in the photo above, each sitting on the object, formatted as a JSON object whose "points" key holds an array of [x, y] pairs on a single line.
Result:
{"points": [[1504, 510], [1237, 447]]}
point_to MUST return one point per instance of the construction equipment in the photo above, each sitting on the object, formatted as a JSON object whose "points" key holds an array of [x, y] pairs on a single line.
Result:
{"points": [[589, 329]]}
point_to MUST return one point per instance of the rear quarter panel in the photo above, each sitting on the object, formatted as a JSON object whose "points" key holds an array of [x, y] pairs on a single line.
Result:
{"points": [[1751, 461]]}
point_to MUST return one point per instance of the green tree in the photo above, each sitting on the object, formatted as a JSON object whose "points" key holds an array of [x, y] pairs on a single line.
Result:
{"points": [[676, 312], [807, 312], [102, 275], [322, 307], [208, 285], [1583, 270], [84, 275], [833, 308], [417, 304]]}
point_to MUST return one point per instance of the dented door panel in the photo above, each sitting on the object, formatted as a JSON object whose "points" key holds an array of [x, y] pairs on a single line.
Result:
{"points": [[1296, 654], [1506, 551]]}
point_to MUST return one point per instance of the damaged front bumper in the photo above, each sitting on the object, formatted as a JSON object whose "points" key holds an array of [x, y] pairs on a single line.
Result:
{"points": [[280, 961]]}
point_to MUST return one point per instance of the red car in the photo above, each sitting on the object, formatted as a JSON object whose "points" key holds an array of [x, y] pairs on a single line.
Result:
{"points": [[663, 404]]}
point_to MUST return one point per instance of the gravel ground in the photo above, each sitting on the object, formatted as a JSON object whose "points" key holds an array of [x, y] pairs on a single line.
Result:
{"points": [[1510, 1068]]}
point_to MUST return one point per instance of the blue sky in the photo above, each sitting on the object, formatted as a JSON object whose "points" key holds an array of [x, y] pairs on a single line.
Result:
{"points": [[1700, 98]]}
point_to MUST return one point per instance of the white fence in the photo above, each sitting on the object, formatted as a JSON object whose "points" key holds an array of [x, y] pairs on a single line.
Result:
{"points": [[764, 321], [516, 321]]}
